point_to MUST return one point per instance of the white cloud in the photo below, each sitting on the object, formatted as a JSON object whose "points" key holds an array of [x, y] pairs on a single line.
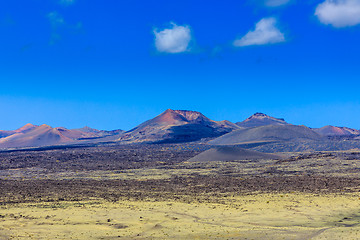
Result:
{"points": [[276, 3], [67, 2], [57, 21], [265, 33], [173, 40], [339, 13], [55, 18]]}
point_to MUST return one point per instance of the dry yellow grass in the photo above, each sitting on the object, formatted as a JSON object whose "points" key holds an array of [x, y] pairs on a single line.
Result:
{"points": [[255, 216]]}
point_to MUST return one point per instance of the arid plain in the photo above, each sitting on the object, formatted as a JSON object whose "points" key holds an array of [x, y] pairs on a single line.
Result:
{"points": [[301, 196]]}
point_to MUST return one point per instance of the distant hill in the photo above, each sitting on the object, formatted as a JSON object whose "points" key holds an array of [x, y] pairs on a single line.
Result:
{"points": [[336, 131], [178, 126], [100, 133], [26, 128], [23, 129], [267, 134], [231, 153], [4, 133], [75, 134], [44, 135], [261, 119]]}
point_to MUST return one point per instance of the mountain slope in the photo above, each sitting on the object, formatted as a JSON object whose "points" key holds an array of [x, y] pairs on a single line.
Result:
{"points": [[99, 133], [266, 134], [26, 128], [36, 136], [4, 133], [75, 134], [23, 129], [336, 131], [43, 135], [177, 126], [261, 119], [231, 153]]}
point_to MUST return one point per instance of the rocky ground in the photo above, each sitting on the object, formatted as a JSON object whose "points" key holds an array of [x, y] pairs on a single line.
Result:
{"points": [[155, 190], [161, 171]]}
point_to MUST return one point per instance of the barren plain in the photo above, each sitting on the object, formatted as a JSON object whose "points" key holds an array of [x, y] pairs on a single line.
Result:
{"points": [[153, 192]]}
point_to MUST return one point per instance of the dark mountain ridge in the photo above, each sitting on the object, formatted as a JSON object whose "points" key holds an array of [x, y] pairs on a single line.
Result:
{"points": [[267, 134], [261, 119], [178, 126]]}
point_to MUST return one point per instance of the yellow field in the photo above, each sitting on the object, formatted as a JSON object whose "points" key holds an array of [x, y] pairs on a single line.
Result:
{"points": [[255, 216]]}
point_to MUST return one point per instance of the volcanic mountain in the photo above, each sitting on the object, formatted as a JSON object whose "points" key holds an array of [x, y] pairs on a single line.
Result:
{"points": [[23, 129], [178, 126], [75, 134], [44, 135], [231, 153], [261, 119], [99, 133], [336, 131], [267, 134]]}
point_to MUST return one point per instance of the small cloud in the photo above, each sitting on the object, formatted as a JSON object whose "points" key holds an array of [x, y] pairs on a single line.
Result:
{"points": [[276, 3], [78, 25], [55, 37], [76, 28], [55, 19], [339, 13], [173, 40], [67, 2], [265, 33], [270, 3]]}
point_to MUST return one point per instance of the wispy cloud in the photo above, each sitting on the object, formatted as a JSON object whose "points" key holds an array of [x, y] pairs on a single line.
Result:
{"points": [[173, 40], [59, 25], [67, 2], [265, 32], [276, 3], [339, 13], [55, 19]]}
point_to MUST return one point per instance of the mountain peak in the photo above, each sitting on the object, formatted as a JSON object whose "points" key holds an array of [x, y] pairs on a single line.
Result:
{"points": [[176, 117], [45, 126], [190, 115], [26, 127], [336, 131], [88, 129], [178, 126], [259, 115], [261, 119]]}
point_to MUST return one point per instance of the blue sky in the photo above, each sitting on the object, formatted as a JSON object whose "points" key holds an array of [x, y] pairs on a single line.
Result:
{"points": [[115, 64]]}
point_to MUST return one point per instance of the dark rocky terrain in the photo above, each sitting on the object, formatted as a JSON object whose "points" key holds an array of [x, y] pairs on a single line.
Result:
{"points": [[132, 191], [108, 157], [114, 172]]}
